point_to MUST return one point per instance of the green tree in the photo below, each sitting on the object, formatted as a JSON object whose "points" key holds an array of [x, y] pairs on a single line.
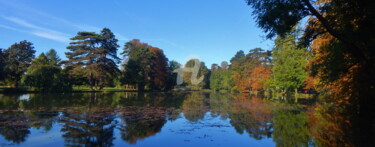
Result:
{"points": [[237, 66], [53, 58], [94, 56], [289, 62], [221, 79], [45, 75], [18, 58], [2, 65], [237, 61], [214, 67]]}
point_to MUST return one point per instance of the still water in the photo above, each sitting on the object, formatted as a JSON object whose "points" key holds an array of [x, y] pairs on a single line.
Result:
{"points": [[165, 119]]}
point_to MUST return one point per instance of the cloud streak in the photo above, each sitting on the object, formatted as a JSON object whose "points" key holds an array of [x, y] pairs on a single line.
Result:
{"points": [[36, 30], [51, 36], [49, 20]]}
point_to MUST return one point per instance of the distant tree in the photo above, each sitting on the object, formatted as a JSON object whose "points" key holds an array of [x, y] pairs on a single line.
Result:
{"points": [[258, 57], [94, 55], [224, 65], [289, 62], [214, 67], [236, 61], [221, 79], [173, 65], [237, 66], [259, 77], [257, 69], [239, 54], [45, 75], [53, 58], [18, 58], [2, 65], [215, 80], [242, 67]]}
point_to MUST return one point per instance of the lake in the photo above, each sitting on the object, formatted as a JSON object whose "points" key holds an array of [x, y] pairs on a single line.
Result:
{"points": [[167, 119]]}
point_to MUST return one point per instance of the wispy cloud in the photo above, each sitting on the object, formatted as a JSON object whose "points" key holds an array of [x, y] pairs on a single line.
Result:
{"points": [[51, 36], [10, 28], [36, 30], [48, 20]]}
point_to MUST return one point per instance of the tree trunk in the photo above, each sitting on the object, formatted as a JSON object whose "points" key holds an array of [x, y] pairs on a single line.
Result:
{"points": [[295, 95]]}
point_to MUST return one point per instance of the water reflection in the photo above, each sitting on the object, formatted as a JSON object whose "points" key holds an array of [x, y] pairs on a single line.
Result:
{"points": [[102, 119], [94, 128], [253, 116], [142, 122], [14, 127]]}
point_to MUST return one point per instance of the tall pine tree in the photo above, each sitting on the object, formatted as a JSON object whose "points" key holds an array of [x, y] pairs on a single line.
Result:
{"points": [[94, 55]]}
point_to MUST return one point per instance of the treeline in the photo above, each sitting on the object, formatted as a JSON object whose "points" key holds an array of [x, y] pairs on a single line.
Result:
{"points": [[92, 60], [280, 70]]}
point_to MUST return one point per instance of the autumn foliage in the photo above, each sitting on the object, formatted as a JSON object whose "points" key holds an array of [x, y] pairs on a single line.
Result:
{"points": [[258, 77]]}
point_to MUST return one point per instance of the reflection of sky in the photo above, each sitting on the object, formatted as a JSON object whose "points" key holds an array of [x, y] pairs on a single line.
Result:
{"points": [[210, 131], [51, 138], [24, 97], [39, 138]]}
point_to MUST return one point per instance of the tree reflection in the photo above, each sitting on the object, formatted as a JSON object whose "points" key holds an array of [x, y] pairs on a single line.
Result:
{"points": [[90, 119], [14, 127], [195, 107], [290, 128], [253, 116], [220, 105], [93, 128], [42, 119], [336, 126], [9, 101], [142, 122]]}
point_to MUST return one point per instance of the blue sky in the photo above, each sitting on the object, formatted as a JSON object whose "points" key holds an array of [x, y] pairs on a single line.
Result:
{"points": [[211, 30]]}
